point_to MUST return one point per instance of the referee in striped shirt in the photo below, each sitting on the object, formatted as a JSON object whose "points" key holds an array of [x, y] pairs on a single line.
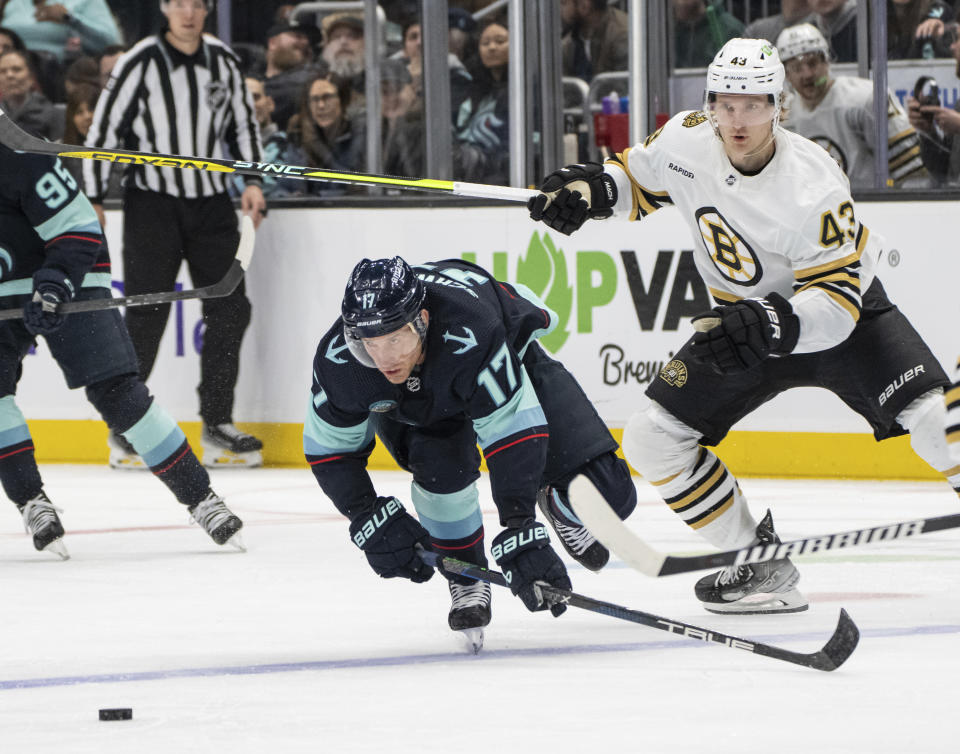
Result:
{"points": [[181, 92]]}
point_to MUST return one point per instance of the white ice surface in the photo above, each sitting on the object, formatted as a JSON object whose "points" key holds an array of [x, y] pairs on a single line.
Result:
{"points": [[295, 646]]}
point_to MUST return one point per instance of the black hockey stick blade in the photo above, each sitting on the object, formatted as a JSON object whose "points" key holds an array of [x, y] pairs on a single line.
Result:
{"points": [[223, 287], [617, 537], [17, 139], [833, 654]]}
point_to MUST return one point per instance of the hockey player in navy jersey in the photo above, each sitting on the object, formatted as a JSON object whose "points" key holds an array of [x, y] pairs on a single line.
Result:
{"points": [[435, 360], [792, 269], [52, 251]]}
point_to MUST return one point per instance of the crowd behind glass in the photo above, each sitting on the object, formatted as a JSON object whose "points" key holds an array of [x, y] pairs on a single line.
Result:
{"points": [[306, 75]]}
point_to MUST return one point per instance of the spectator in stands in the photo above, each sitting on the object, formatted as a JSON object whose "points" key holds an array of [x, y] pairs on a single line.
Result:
{"points": [[940, 128], [83, 70], [915, 29], [701, 28], [81, 102], [10, 40], [65, 29], [597, 41], [402, 130], [288, 69], [837, 19], [837, 113], [343, 51], [464, 56], [107, 60], [273, 140], [481, 150], [21, 102], [412, 54], [792, 12], [324, 135]]}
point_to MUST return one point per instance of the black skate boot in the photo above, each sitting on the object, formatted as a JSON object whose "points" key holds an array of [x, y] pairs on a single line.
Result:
{"points": [[218, 520], [768, 587], [41, 520], [577, 541], [470, 611], [226, 447]]}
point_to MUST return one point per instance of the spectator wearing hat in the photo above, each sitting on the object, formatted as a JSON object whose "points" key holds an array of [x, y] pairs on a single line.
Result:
{"points": [[289, 65], [343, 51]]}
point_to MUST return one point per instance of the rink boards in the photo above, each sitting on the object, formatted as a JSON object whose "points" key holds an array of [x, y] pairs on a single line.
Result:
{"points": [[623, 292]]}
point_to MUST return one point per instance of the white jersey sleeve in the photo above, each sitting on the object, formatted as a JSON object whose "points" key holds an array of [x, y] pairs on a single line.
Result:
{"points": [[951, 399], [789, 229]]}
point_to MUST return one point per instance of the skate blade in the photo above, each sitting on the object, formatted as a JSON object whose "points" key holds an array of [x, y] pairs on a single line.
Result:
{"points": [[128, 463], [236, 541], [57, 547], [762, 604], [472, 638], [219, 458]]}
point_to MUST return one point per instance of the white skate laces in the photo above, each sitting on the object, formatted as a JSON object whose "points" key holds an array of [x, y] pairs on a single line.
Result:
{"points": [[469, 595]]}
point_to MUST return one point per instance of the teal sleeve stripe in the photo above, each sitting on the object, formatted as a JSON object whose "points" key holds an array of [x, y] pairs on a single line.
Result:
{"points": [[521, 412], [13, 427], [323, 439], [155, 436], [452, 529], [77, 215], [24, 286], [445, 507], [534, 299]]}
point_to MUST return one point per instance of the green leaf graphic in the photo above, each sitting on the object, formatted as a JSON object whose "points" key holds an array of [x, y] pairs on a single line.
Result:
{"points": [[544, 271]]}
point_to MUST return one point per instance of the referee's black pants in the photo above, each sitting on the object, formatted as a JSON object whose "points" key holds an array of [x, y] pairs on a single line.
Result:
{"points": [[159, 232]]}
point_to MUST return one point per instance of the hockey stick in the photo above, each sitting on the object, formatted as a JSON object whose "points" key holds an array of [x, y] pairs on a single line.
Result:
{"points": [[607, 527], [223, 287], [19, 140], [833, 654]]}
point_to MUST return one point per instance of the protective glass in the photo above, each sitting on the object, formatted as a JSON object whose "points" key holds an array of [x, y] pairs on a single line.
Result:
{"points": [[737, 110], [385, 351]]}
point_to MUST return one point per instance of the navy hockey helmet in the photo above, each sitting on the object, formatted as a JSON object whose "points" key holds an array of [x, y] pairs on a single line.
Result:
{"points": [[381, 297]]}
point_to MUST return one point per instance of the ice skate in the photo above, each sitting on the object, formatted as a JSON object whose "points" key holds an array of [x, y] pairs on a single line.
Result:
{"points": [[470, 611], [226, 447], [581, 545], [41, 520], [122, 454], [768, 587], [219, 521]]}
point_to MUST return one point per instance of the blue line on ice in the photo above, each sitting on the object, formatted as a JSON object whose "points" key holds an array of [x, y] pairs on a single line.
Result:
{"points": [[379, 662]]}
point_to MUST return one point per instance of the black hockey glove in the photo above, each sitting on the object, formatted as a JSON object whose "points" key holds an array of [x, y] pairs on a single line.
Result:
{"points": [[572, 195], [51, 287], [526, 557], [737, 337], [389, 537]]}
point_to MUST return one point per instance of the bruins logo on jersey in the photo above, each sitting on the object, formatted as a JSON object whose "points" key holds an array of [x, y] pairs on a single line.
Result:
{"points": [[833, 149], [674, 373], [733, 257], [694, 119]]}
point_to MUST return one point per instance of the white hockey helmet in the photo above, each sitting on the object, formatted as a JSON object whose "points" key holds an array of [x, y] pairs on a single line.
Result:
{"points": [[801, 39], [746, 66]]}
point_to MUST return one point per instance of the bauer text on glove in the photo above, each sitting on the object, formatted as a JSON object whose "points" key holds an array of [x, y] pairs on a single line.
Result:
{"points": [[524, 553], [389, 537]]}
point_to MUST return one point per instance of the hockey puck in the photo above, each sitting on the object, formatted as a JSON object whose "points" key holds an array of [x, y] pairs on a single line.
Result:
{"points": [[120, 713]]}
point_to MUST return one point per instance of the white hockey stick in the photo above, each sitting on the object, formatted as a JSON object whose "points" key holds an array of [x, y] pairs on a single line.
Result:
{"points": [[616, 536]]}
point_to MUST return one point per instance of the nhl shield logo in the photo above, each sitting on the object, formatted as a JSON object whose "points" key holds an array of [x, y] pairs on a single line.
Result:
{"points": [[674, 373], [216, 92]]}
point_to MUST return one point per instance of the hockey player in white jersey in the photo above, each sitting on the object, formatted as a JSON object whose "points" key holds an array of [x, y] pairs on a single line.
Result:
{"points": [[780, 246], [837, 113]]}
